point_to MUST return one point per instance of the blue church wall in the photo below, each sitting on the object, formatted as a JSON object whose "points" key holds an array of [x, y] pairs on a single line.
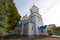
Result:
{"points": [[28, 20]]}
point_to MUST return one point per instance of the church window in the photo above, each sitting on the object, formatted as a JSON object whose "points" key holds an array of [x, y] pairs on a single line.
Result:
{"points": [[40, 20], [32, 27], [42, 31]]}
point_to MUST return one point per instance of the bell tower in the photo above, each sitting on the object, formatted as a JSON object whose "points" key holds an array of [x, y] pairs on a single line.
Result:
{"points": [[36, 18], [34, 9]]}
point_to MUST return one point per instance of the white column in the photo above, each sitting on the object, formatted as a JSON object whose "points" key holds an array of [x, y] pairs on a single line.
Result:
{"points": [[22, 27]]}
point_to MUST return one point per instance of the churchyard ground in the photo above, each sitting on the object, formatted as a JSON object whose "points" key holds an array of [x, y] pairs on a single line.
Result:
{"points": [[29, 38]]}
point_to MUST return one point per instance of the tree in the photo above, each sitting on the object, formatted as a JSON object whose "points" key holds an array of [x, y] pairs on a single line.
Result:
{"points": [[56, 30], [9, 16]]}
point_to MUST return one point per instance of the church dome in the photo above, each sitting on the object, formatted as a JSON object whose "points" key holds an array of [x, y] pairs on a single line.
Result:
{"points": [[25, 17]]}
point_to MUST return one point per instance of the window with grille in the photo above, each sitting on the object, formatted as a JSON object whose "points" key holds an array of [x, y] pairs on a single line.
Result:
{"points": [[42, 31]]}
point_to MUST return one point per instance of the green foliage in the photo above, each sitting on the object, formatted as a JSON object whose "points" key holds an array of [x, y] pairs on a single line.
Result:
{"points": [[9, 16], [3, 32], [56, 30], [13, 17]]}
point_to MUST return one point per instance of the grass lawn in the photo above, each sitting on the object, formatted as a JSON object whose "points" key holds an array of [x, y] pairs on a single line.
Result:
{"points": [[57, 34]]}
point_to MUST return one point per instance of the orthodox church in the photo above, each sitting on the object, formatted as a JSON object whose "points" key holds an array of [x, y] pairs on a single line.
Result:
{"points": [[33, 25]]}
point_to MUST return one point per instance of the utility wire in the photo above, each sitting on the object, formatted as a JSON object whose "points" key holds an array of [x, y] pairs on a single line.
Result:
{"points": [[46, 10]]}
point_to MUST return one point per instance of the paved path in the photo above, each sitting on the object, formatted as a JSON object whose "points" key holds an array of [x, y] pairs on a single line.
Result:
{"points": [[55, 36]]}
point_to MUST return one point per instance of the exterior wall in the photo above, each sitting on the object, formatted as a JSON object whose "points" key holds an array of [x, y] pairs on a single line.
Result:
{"points": [[44, 32], [22, 27], [51, 26], [37, 21], [31, 29], [25, 29], [38, 24]]}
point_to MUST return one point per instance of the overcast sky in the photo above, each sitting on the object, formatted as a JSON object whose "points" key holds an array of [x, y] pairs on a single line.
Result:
{"points": [[49, 9]]}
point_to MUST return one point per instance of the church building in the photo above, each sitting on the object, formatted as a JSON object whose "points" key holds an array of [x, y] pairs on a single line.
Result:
{"points": [[33, 25]]}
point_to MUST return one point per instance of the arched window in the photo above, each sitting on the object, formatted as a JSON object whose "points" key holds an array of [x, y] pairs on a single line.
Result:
{"points": [[42, 31], [32, 27]]}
